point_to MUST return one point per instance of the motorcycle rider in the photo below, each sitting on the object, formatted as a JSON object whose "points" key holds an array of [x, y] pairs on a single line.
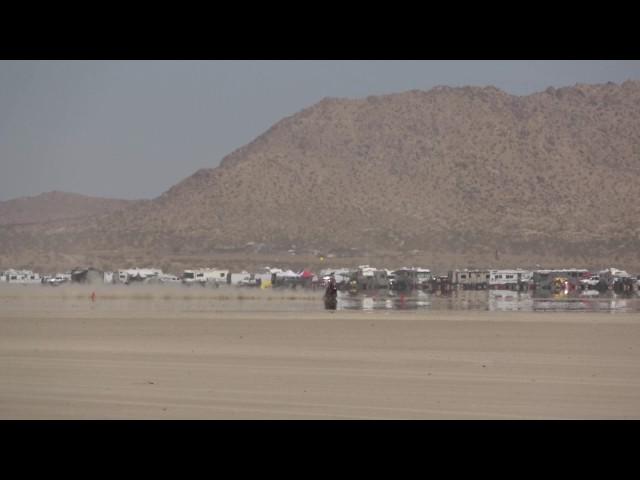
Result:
{"points": [[332, 289]]}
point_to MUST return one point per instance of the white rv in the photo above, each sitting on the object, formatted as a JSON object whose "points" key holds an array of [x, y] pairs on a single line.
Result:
{"points": [[167, 278], [423, 276], [135, 274], [205, 276], [610, 275], [23, 277], [509, 279], [470, 279], [341, 275], [244, 279]]}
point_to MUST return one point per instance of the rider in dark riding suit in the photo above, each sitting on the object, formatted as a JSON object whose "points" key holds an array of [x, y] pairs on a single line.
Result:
{"points": [[332, 289], [331, 294]]}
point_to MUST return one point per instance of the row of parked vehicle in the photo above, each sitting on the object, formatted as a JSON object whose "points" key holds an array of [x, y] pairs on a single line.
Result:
{"points": [[364, 277], [564, 279]]}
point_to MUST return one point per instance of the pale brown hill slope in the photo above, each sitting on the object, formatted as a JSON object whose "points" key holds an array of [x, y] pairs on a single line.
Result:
{"points": [[450, 170], [54, 206]]}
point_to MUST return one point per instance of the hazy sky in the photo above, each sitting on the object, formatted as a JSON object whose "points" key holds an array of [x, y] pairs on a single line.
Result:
{"points": [[132, 129]]}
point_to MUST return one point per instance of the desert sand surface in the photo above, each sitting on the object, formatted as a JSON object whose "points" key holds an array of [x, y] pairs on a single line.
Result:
{"points": [[188, 354]]}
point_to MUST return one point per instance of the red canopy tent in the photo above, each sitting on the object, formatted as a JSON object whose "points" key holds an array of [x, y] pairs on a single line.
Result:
{"points": [[307, 274]]}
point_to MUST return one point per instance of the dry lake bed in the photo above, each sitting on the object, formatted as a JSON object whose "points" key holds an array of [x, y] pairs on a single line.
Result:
{"points": [[180, 353]]}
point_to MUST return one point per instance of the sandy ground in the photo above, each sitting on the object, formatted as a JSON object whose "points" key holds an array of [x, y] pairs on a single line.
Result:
{"points": [[209, 355]]}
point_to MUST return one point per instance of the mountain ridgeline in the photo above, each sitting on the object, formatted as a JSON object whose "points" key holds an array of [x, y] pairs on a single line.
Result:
{"points": [[450, 170]]}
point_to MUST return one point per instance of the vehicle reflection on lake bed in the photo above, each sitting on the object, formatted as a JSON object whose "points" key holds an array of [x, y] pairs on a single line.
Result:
{"points": [[489, 300]]}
